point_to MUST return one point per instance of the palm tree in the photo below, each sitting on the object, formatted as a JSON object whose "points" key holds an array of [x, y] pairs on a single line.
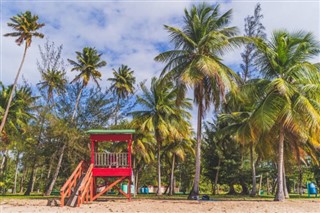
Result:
{"points": [[288, 106], [161, 115], [19, 115], [88, 61], [143, 149], [196, 62], [175, 150], [53, 81], [122, 84], [26, 26]]}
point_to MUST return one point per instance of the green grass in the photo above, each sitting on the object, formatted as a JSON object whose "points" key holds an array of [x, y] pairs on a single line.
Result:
{"points": [[222, 197], [21, 196]]}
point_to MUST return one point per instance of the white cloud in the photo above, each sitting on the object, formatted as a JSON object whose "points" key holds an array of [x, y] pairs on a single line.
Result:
{"points": [[290, 15]]}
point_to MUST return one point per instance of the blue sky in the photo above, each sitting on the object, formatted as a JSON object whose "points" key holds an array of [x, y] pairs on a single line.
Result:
{"points": [[131, 32]]}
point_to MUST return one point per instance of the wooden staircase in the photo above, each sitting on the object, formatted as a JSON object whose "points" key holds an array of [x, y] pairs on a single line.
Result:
{"points": [[79, 187]]}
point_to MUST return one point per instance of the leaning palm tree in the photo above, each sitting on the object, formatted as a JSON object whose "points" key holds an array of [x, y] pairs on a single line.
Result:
{"points": [[25, 26], [161, 115], [122, 84], [88, 61], [19, 116], [196, 62], [289, 104]]}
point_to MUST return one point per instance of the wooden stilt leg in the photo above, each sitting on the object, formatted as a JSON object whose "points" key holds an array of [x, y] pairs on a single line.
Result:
{"points": [[129, 187], [94, 186]]}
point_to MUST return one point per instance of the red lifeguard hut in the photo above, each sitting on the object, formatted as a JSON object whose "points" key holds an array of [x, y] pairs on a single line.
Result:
{"points": [[113, 168]]}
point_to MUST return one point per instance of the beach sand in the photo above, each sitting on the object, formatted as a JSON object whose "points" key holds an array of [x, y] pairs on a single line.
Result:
{"points": [[146, 205]]}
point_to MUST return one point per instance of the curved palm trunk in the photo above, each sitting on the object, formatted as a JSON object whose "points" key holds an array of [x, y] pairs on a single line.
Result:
{"points": [[54, 178], [280, 193], [77, 103], [253, 169], [13, 90], [195, 189]]}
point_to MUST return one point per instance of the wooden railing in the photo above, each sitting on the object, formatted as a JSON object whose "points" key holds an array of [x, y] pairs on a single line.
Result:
{"points": [[85, 193], [71, 183], [117, 160]]}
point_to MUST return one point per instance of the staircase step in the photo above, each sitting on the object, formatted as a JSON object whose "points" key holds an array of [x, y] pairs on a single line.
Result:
{"points": [[72, 201]]}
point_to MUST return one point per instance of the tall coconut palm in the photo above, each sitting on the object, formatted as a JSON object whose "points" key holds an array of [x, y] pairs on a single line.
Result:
{"points": [[289, 104], [122, 84], [25, 26], [161, 115], [196, 62], [88, 62]]}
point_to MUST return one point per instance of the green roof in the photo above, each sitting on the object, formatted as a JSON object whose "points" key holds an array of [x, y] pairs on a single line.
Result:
{"points": [[109, 131]]}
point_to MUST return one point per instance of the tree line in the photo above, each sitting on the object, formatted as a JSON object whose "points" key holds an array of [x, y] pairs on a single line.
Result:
{"points": [[265, 116]]}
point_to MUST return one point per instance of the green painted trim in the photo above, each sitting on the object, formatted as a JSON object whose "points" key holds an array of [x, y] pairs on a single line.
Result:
{"points": [[109, 131]]}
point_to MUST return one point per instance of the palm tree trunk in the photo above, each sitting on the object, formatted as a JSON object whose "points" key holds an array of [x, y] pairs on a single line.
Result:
{"points": [[3, 162], [253, 169], [50, 165], [54, 178], [16, 175], [136, 179], [77, 103], [195, 189], [172, 175], [13, 90], [24, 173], [280, 193], [159, 169], [215, 191], [34, 180], [300, 169], [285, 188], [136, 176], [117, 110], [31, 178]]}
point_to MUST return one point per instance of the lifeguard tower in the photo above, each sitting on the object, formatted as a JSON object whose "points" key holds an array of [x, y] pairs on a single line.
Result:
{"points": [[114, 168]]}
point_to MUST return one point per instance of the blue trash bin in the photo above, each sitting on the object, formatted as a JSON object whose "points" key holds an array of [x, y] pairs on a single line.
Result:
{"points": [[124, 188], [146, 190], [312, 189], [141, 190]]}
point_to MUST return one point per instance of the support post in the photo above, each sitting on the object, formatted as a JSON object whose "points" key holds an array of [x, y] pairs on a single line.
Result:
{"points": [[129, 187]]}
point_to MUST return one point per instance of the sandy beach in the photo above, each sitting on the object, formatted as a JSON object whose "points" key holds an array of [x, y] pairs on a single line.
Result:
{"points": [[145, 205]]}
